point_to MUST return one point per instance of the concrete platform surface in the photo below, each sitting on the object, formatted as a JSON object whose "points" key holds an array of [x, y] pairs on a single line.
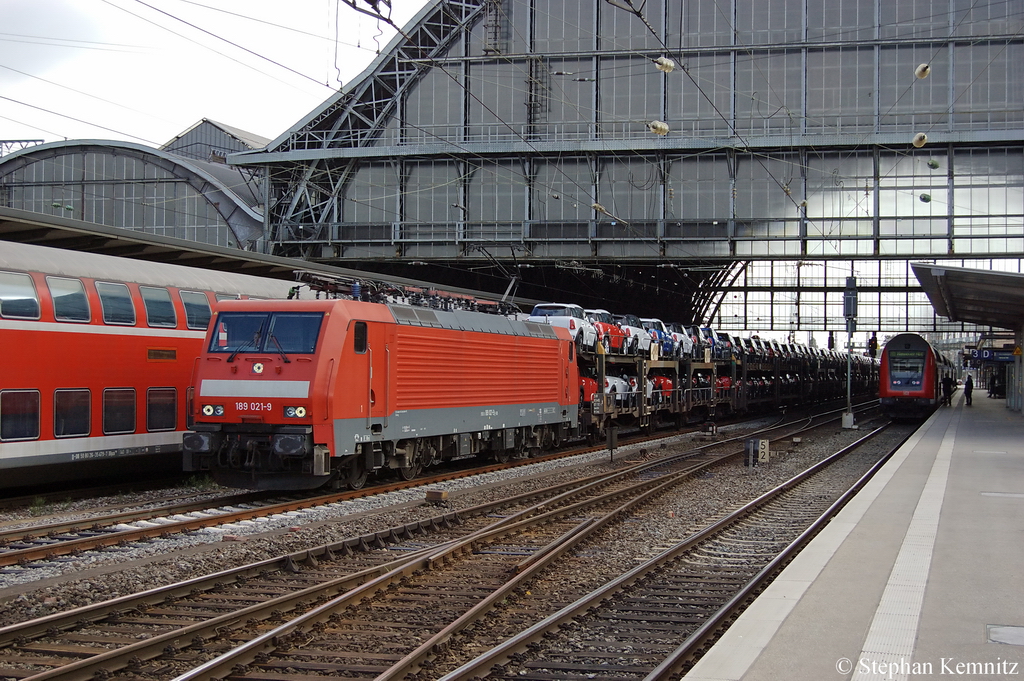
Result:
{"points": [[921, 576]]}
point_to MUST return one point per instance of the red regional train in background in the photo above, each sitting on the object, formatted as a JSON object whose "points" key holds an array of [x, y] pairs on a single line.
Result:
{"points": [[290, 396], [911, 373], [97, 356]]}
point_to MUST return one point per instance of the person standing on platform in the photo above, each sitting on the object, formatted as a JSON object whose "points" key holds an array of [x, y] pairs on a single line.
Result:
{"points": [[968, 388], [947, 390]]}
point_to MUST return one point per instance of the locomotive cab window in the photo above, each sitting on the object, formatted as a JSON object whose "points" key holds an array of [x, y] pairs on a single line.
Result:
{"points": [[116, 303], [19, 415], [18, 297], [69, 301], [159, 309], [276, 332], [197, 309], [71, 413]]}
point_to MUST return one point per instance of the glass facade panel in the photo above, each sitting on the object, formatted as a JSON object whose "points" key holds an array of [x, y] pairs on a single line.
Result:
{"points": [[496, 192], [905, 102], [564, 26], [700, 24], [840, 20], [769, 22], [437, 116], [841, 90], [374, 195], [701, 104], [700, 188], [987, 89], [914, 19], [497, 111], [769, 93], [433, 192]]}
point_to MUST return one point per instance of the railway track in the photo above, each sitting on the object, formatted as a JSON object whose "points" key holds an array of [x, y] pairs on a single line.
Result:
{"points": [[167, 630], [121, 633], [47, 542], [654, 621]]}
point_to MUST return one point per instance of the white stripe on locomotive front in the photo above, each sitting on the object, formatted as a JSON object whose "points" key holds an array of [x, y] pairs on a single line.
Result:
{"points": [[225, 388]]}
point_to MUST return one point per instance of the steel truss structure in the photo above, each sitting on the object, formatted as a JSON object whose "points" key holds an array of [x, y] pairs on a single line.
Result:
{"points": [[730, 162]]}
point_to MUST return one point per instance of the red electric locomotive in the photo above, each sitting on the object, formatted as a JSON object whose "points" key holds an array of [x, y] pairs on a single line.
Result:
{"points": [[910, 383], [296, 394], [97, 353]]}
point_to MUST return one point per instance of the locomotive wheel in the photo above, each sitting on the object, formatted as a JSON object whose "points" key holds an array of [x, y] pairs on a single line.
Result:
{"points": [[409, 472], [357, 475], [502, 455]]}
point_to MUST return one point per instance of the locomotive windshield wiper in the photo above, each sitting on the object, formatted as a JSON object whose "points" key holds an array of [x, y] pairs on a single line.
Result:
{"points": [[253, 342], [280, 350]]}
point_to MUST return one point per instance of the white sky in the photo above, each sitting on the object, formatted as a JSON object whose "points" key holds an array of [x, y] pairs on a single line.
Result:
{"points": [[144, 70]]}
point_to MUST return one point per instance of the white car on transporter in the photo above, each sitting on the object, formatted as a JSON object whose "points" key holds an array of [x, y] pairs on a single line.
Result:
{"points": [[569, 316], [638, 339]]}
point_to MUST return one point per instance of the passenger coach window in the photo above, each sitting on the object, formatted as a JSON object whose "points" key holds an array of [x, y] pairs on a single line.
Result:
{"points": [[18, 296], [359, 337], [19, 414], [69, 301], [116, 302], [161, 409], [159, 309], [197, 309], [118, 411], [70, 413]]}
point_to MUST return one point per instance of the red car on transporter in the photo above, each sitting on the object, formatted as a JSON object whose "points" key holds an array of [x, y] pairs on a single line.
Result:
{"points": [[609, 334]]}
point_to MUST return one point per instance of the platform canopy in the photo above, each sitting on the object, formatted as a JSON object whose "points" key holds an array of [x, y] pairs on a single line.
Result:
{"points": [[975, 296]]}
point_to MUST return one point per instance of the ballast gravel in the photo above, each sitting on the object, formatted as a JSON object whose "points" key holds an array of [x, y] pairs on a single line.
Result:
{"points": [[96, 576]]}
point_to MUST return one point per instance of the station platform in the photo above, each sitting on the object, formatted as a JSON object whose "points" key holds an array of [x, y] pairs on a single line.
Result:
{"points": [[921, 575]]}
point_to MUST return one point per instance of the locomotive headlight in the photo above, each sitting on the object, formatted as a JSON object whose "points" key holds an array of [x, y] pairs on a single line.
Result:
{"points": [[213, 410], [294, 412]]}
